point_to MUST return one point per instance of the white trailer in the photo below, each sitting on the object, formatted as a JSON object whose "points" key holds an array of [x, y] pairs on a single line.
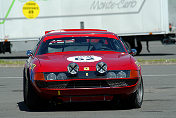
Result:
{"points": [[133, 20]]}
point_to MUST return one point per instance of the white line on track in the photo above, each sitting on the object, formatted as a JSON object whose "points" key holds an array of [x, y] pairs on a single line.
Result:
{"points": [[164, 75]]}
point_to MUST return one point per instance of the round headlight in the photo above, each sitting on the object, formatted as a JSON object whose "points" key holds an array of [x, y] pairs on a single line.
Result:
{"points": [[111, 75], [121, 74], [51, 76], [101, 67], [73, 68], [61, 76]]}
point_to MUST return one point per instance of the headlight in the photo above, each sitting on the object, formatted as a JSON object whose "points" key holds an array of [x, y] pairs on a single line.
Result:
{"points": [[55, 76], [61, 76], [73, 68], [121, 74], [51, 76], [111, 75], [101, 67]]}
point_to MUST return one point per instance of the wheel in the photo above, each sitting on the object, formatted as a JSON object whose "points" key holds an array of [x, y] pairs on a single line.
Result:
{"points": [[135, 99], [24, 86], [31, 98]]}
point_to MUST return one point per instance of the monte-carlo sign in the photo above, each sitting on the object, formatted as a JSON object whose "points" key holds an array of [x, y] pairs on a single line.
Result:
{"points": [[99, 7]]}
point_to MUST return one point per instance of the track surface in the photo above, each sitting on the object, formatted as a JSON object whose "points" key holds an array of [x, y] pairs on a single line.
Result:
{"points": [[159, 98]]}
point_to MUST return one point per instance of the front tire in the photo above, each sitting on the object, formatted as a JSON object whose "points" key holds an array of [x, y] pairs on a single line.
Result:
{"points": [[31, 98], [136, 98]]}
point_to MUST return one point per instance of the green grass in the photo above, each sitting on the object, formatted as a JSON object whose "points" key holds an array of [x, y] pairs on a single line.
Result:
{"points": [[7, 62], [157, 61]]}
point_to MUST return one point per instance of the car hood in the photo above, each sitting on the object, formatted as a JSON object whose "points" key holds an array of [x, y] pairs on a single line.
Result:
{"points": [[58, 62]]}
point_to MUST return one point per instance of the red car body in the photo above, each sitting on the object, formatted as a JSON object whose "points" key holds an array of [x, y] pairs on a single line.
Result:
{"points": [[84, 85]]}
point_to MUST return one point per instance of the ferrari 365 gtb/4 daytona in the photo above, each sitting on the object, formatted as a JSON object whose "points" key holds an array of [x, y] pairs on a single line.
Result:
{"points": [[81, 65]]}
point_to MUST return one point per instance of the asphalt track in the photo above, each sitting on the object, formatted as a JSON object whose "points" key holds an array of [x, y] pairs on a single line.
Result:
{"points": [[159, 98]]}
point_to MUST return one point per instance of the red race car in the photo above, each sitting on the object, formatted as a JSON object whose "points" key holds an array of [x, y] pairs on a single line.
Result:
{"points": [[81, 65]]}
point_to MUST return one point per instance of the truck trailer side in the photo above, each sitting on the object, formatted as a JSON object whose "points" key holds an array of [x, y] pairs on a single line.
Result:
{"points": [[133, 20]]}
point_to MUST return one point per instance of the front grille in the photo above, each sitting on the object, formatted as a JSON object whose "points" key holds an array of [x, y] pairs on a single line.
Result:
{"points": [[86, 83], [54, 84], [121, 82]]}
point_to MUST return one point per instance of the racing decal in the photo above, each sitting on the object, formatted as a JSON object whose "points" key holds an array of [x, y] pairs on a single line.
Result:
{"points": [[91, 58], [33, 66], [86, 68]]}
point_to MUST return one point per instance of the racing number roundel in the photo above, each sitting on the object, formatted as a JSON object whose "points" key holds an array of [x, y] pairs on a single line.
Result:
{"points": [[31, 9], [91, 58]]}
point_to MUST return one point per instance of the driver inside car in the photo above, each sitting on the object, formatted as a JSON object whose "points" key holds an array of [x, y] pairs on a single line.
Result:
{"points": [[99, 45]]}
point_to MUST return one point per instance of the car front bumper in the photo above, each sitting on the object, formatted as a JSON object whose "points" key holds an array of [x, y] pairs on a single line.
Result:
{"points": [[91, 91]]}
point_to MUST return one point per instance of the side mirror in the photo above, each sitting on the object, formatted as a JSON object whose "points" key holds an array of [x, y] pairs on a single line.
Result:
{"points": [[29, 53], [133, 52]]}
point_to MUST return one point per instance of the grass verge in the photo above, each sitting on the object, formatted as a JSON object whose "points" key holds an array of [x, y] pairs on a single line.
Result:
{"points": [[11, 63], [157, 61]]}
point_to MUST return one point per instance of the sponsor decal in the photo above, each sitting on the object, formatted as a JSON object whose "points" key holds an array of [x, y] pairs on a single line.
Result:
{"points": [[91, 58], [31, 10]]}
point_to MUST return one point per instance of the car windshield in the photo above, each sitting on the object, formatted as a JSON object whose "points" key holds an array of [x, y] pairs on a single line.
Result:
{"points": [[80, 44]]}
